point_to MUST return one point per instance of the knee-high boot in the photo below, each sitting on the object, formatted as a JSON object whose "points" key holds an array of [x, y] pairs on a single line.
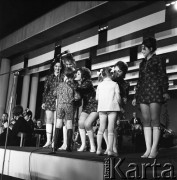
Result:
{"points": [[105, 135], [69, 140], [115, 142], [156, 137], [92, 142], [148, 141], [64, 145], [99, 142], [56, 138], [83, 139], [48, 134], [110, 143]]}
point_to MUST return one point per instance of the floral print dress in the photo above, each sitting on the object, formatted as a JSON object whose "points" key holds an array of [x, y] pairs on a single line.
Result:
{"points": [[49, 95], [152, 82]]}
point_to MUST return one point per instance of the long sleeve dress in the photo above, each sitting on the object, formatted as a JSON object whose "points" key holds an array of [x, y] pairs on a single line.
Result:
{"points": [[152, 82]]}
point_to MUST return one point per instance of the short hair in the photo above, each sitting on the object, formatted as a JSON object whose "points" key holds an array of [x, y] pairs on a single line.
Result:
{"points": [[85, 73], [150, 42], [28, 112], [17, 110], [122, 66]]}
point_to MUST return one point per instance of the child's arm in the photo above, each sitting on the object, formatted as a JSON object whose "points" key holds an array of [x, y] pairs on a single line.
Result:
{"points": [[97, 92], [117, 92]]}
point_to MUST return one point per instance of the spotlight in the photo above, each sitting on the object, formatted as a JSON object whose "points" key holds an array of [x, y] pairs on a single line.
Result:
{"points": [[175, 5], [173, 2], [168, 4]]}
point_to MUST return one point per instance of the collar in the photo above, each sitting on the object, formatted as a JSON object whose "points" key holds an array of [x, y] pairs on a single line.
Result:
{"points": [[107, 79]]}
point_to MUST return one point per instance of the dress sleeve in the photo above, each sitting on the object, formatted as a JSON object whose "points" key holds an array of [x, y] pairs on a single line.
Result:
{"points": [[117, 92], [85, 85], [139, 81], [46, 89], [163, 78]]}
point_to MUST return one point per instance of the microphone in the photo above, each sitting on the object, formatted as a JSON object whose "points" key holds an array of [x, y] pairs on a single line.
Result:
{"points": [[64, 52]]}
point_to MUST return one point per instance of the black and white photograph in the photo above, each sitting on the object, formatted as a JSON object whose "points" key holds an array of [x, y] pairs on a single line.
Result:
{"points": [[88, 90]]}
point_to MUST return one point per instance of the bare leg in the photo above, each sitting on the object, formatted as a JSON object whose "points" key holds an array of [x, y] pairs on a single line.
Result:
{"points": [[103, 119], [111, 122], [88, 126]]}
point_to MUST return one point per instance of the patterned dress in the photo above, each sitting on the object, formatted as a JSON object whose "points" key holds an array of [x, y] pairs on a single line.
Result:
{"points": [[152, 82], [88, 94], [49, 97]]}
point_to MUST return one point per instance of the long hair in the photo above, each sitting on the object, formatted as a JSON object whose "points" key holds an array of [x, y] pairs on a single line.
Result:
{"points": [[85, 73], [123, 67], [69, 57], [57, 60]]}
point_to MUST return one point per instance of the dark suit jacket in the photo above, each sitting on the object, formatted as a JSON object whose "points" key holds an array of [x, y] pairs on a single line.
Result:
{"points": [[138, 121]]}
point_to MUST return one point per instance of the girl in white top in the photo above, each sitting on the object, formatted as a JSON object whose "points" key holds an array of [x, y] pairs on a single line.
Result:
{"points": [[108, 96]]}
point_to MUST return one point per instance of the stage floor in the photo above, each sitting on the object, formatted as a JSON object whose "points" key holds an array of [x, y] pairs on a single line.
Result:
{"points": [[32, 163]]}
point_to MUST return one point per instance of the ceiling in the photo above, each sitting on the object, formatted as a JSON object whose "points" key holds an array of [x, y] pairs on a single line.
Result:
{"points": [[16, 13]]}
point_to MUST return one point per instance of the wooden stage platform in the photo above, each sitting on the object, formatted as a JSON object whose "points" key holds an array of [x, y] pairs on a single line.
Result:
{"points": [[30, 163]]}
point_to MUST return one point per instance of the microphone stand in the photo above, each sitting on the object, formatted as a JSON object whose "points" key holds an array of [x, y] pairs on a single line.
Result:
{"points": [[9, 115], [58, 79]]}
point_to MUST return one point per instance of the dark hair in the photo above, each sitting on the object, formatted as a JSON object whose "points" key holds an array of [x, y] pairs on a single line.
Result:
{"points": [[28, 112], [106, 72], [69, 72], [56, 60], [17, 110], [85, 73], [150, 42], [122, 66]]}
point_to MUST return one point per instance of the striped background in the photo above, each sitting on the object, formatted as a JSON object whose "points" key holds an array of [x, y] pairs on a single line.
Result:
{"points": [[121, 37]]}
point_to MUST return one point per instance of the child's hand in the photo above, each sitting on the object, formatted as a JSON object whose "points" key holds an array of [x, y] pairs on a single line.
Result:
{"points": [[125, 100], [166, 96], [134, 102], [43, 106]]}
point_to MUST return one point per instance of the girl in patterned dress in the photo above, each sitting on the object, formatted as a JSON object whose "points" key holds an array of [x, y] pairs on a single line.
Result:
{"points": [[108, 96], [49, 97], [89, 112], [151, 93]]}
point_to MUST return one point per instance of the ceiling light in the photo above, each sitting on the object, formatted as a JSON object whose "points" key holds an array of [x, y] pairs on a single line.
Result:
{"points": [[168, 4], [173, 2]]}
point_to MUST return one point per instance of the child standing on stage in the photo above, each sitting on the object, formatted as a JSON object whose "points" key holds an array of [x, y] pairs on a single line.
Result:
{"points": [[65, 107], [108, 96]]}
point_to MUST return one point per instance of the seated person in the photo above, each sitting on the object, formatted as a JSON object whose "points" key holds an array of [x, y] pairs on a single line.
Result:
{"points": [[135, 121], [40, 129], [40, 125], [3, 121], [20, 126], [136, 125], [27, 114]]}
